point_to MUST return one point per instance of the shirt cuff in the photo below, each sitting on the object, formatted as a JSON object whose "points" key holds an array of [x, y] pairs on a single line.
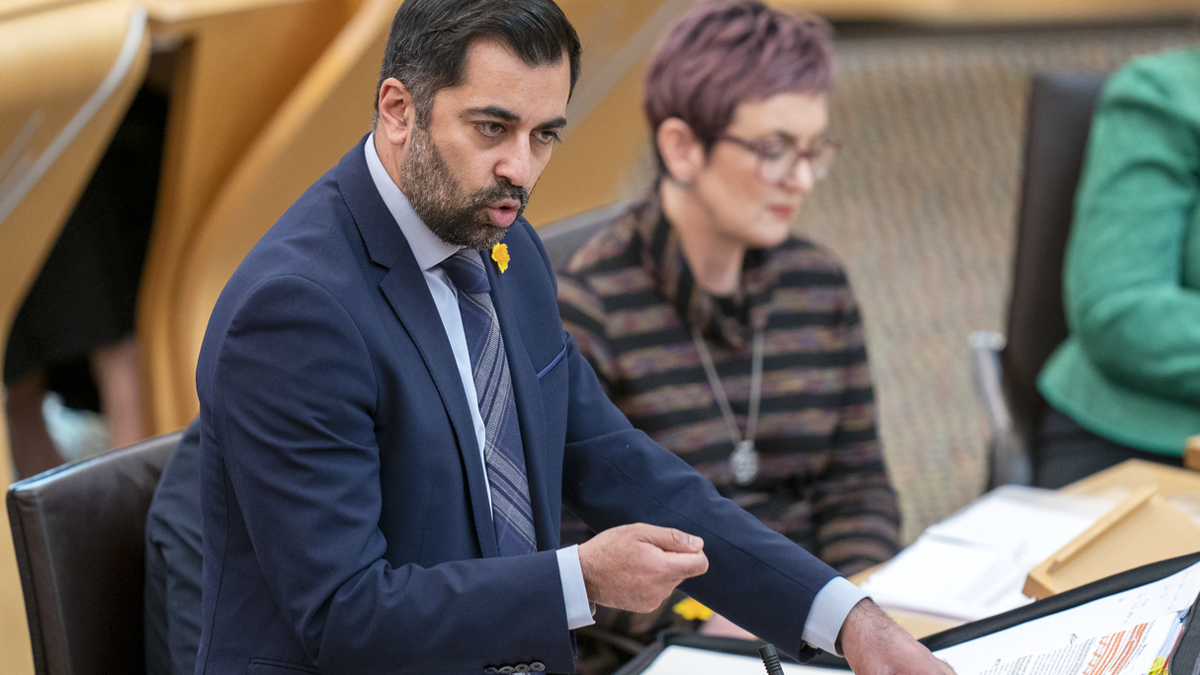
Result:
{"points": [[579, 610], [829, 610]]}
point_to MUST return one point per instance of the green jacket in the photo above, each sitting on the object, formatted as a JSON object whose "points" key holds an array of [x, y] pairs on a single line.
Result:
{"points": [[1130, 370]]}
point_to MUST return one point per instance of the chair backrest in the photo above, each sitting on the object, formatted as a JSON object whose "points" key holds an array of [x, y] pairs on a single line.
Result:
{"points": [[1059, 121], [79, 533], [562, 238]]}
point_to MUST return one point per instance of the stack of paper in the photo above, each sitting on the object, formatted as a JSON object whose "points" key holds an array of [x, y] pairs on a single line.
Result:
{"points": [[973, 564]]}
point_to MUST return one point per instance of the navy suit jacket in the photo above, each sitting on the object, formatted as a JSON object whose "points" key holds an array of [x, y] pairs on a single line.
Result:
{"points": [[345, 507]]}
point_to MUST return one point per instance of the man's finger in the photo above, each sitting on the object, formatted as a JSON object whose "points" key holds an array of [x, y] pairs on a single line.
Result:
{"points": [[675, 541], [687, 565]]}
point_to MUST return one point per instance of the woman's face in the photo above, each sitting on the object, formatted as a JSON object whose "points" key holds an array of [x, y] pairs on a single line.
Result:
{"points": [[743, 206]]}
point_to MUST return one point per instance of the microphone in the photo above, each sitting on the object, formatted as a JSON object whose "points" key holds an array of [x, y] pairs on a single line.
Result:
{"points": [[770, 659]]}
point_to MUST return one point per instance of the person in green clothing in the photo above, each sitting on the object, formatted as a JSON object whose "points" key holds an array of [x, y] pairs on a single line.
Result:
{"points": [[1126, 382]]}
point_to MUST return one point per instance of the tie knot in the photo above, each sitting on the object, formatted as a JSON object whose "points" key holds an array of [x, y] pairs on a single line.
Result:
{"points": [[467, 272]]}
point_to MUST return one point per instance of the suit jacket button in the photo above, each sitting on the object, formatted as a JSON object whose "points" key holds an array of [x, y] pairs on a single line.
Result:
{"points": [[507, 670], [521, 668], [491, 670], [537, 666]]}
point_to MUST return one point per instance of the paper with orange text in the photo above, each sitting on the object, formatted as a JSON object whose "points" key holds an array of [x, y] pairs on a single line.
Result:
{"points": [[1129, 630]]}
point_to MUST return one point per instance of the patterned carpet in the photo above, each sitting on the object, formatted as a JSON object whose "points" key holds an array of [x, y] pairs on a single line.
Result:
{"points": [[921, 207]]}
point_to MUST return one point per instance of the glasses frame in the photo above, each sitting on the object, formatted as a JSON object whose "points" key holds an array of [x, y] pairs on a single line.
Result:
{"points": [[820, 159]]}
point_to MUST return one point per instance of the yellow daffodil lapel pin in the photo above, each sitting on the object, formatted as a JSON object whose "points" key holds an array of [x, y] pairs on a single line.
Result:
{"points": [[500, 255]]}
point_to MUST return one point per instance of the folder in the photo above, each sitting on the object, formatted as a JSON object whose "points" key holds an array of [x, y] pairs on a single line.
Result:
{"points": [[1142, 529]]}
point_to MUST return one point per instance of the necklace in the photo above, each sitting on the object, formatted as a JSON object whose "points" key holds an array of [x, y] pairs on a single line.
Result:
{"points": [[744, 460]]}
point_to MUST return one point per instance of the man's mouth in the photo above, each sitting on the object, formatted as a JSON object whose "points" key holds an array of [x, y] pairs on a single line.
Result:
{"points": [[504, 212]]}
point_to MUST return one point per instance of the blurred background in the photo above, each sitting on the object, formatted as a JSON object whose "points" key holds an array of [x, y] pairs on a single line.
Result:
{"points": [[929, 102]]}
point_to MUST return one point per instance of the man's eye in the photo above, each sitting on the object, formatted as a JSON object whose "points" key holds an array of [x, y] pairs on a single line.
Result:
{"points": [[547, 136], [490, 128]]}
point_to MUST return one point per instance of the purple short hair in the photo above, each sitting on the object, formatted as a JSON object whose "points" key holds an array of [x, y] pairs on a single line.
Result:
{"points": [[725, 52]]}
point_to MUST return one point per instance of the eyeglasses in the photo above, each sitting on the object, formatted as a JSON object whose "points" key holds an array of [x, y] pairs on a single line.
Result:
{"points": [[777, 160]]}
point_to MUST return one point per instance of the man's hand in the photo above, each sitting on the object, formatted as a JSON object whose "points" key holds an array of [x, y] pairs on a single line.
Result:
{"points": [[635, 567], [875, 645]]}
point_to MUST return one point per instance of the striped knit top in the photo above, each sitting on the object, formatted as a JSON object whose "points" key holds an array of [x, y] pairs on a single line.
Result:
{"points": [[629, 299]]}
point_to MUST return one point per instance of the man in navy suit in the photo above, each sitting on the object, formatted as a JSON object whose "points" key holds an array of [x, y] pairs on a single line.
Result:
{"points": [[380, 485]]}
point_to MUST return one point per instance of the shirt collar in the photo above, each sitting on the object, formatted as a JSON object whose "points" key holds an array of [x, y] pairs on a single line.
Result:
{"points": [[427, 247]]}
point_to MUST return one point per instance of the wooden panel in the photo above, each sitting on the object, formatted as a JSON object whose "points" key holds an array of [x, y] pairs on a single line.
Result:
{"points": [[322, 119], [13, 9], [166, 13], [1005, 11], [237, 64], [1124, 478], [1142, 529], [68, 74]]}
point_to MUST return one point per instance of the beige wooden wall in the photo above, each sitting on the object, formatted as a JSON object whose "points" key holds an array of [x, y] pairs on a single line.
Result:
{"points": [[1009, 11]]}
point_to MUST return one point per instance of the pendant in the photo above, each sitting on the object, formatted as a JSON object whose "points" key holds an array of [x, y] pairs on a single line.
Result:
{"points": [[744, 463]]}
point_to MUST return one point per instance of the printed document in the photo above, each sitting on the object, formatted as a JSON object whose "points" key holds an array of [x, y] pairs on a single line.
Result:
{"points": [[1121, 634]]}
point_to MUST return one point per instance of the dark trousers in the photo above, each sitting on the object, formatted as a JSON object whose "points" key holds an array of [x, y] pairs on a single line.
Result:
{"points": [[1067, 452]]}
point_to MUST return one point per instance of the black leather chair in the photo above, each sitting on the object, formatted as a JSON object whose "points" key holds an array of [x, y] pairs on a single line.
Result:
{"points": [[564, 236], [79, 532], [1005, 367]]}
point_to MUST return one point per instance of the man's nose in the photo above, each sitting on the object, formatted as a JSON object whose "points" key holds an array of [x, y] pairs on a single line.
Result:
{"points": [[516, 165]]}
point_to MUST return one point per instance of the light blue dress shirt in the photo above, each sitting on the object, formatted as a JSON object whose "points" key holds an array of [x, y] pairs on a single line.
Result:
{"points": [[832, 603]]}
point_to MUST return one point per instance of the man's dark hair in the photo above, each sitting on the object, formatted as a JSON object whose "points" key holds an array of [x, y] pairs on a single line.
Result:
{"points": [[427, 47]]}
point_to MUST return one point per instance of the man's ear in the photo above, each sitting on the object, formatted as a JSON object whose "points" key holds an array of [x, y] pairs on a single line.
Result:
{"points": [[397, 116], [681, 151]]}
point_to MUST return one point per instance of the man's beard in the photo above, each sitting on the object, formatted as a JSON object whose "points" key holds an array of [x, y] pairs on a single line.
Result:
{"points": [[439, 200]]}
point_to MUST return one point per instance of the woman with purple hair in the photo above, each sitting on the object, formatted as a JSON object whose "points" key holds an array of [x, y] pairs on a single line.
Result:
{"points": [[724, 336]]}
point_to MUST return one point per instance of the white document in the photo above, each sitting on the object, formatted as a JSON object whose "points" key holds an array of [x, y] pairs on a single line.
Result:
{"points": [[1130, 651], [974, 563], [950, 579], [1150, 604], [677, 660]]}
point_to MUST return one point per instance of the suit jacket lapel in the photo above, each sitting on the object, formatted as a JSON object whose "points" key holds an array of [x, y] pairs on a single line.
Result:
{"points": [[406, 291], [530, 413]]}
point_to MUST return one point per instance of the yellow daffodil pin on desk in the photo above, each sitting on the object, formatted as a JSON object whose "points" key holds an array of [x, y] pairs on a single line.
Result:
{"points": [[500, 255], [692, 610]]}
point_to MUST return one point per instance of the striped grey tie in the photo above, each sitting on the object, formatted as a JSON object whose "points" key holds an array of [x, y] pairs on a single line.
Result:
{"points": [[503, 453]]}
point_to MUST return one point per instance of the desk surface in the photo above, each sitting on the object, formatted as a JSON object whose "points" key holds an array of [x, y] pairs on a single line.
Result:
{"points": [[1127, 476]]}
